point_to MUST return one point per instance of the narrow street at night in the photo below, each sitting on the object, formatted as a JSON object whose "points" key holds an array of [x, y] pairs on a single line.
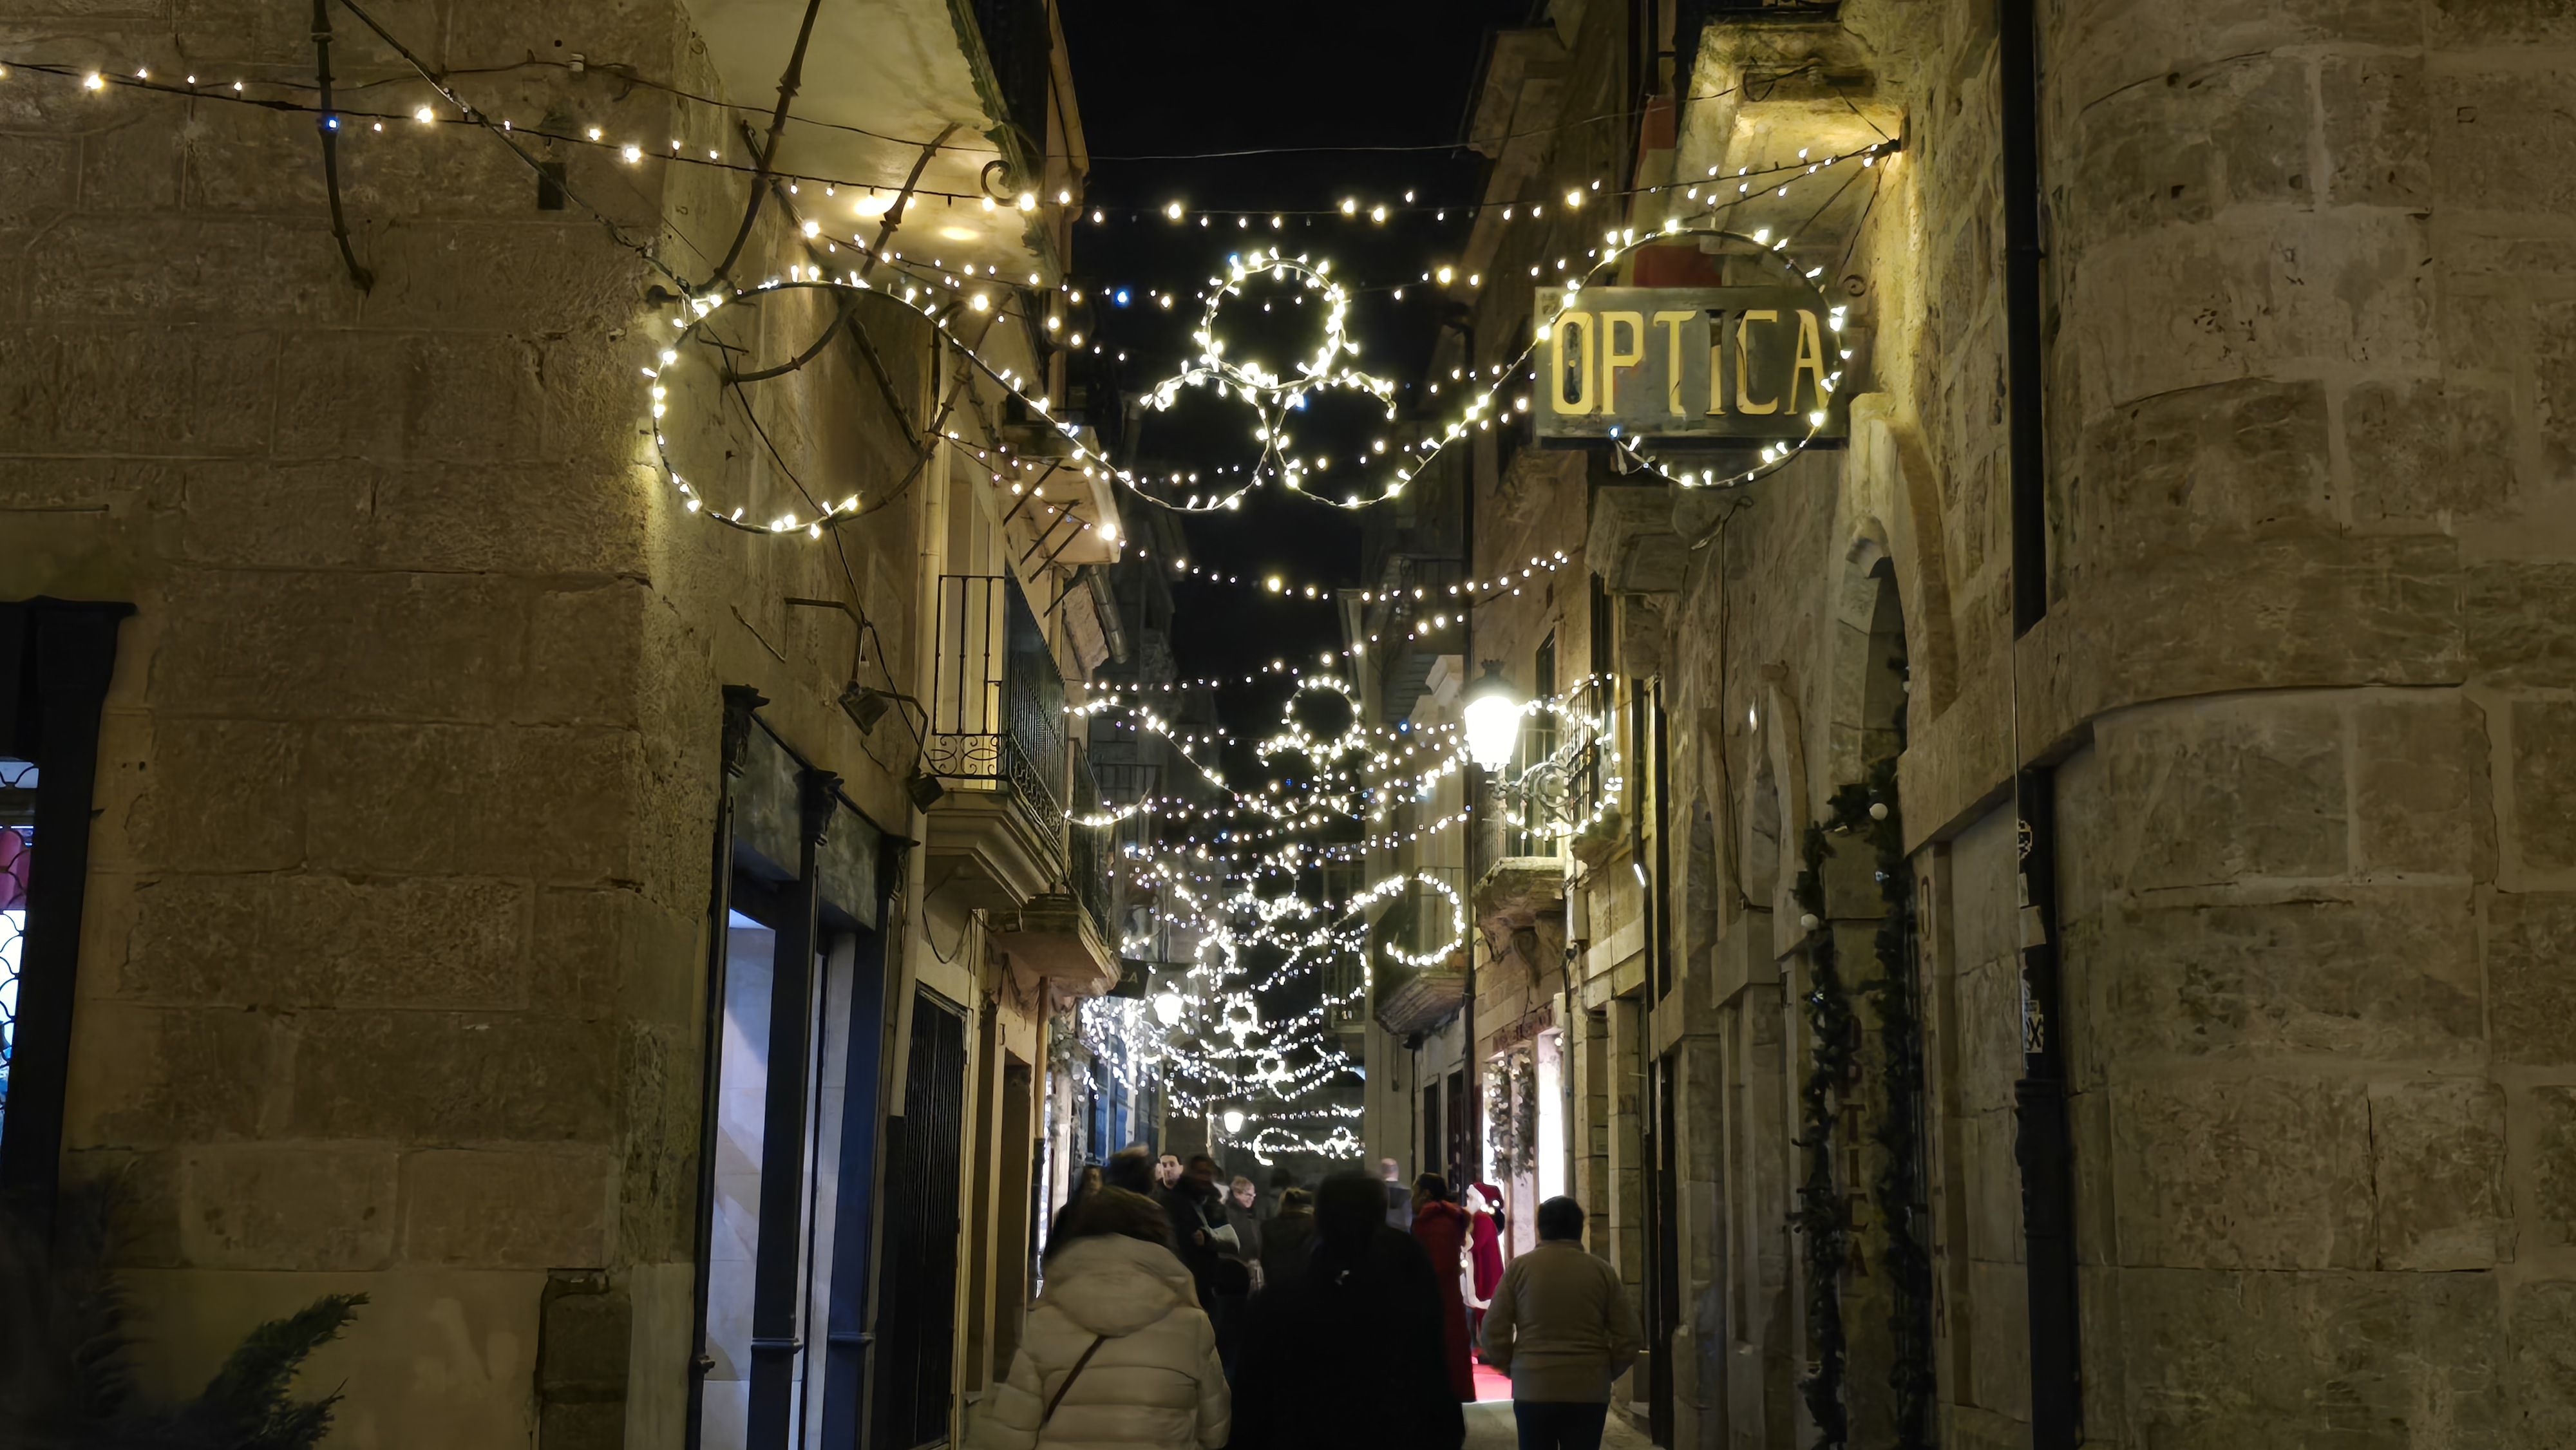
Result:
{"points": [[1142, 725]]}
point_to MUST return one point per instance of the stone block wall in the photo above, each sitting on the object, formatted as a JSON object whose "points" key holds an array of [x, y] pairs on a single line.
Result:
{"points": [[2310, 530], [394, 940], [2320, 1052]]}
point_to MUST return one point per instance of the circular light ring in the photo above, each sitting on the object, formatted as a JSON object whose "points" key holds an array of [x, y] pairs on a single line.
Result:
{"points": [[699, 311], [1325, 366], [1388, 886], [1271, 395]]}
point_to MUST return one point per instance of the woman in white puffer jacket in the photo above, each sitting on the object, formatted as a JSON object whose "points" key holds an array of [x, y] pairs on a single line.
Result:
{"points": [[1117, 1346]]}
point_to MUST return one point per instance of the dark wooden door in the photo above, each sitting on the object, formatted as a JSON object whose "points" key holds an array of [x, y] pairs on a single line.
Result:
{"points": [[916, 1319]]}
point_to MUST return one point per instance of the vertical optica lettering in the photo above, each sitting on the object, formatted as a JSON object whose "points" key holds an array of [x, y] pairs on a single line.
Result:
{"points": [[1581, 402], [1672, 322], [1744, 400], [1612, 359], [1811, 360]]}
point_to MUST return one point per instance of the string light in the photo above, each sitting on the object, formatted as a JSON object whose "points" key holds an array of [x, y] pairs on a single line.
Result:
{"points": [[1354, 777]]}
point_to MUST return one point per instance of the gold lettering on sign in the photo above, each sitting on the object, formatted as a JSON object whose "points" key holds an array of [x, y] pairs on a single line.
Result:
{"points": [[1672, 322], [1581, 402], [1744, 401], [1811, 359], [1716, 364], [1612, 359]]}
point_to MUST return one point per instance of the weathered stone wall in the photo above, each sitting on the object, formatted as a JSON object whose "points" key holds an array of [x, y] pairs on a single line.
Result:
{"points": [[2310, 538], [395, 935], [2308, 267]]}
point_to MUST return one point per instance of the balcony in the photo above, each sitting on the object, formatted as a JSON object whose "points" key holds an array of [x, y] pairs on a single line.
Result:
{"points": [[1632, 540], [1518, 890], [998, 838], [1056, 938]]}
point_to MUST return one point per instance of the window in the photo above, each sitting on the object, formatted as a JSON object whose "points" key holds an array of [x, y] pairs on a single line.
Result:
{"points": [[17, 857], [54, 663], [1542, 798]]}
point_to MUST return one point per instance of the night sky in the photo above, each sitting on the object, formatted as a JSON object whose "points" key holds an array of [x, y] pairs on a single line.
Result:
{"points": [[1158, 77]]}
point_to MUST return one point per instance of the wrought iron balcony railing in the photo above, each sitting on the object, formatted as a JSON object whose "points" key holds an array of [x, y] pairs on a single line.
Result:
{"points": [[1087, 853], [997, 704]]}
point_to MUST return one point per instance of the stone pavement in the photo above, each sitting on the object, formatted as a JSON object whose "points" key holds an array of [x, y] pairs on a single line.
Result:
{"points": [[1489, 1427]]}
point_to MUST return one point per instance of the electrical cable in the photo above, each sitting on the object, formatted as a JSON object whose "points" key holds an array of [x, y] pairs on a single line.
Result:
{"points": [[476, 118], [329, 126], [788, 81]]}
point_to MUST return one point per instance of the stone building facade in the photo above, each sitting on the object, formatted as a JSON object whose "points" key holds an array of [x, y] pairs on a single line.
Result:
{"points": [[404, 965], [2278, 713]]}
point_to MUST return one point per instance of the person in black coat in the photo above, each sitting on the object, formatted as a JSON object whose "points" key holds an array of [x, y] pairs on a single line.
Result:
{"points": [[1131, 1168], [1286, 1238], [1197, 1211], [1347, 1351]]}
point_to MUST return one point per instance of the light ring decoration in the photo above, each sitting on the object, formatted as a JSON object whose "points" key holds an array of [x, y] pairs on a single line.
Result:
{"points": [[698, 312], [1272, 395], [1388, 886], [1241, 1019]]}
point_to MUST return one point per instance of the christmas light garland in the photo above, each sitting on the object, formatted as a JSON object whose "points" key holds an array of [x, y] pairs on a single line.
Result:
{"points": [[1294, 1059]]}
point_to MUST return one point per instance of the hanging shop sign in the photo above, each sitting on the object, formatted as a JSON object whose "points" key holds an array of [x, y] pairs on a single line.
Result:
{"points": [[1689, 364], [1136, 976]]}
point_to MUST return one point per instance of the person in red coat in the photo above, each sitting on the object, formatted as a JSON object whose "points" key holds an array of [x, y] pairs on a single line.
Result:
{"points": [[1484, 1247], [1441, 1228]]}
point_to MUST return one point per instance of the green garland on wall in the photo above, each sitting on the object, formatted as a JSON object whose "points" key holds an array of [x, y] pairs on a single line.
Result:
{"points": [[1898, 1189], [1820, 1219]]}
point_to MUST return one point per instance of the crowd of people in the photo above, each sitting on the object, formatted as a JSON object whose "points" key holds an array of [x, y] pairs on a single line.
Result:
{"points": [[1178, 1315]]}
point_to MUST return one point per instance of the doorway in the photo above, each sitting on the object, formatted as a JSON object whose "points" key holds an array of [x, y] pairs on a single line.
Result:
{"points": [[795, 1159], [916, 1314]]}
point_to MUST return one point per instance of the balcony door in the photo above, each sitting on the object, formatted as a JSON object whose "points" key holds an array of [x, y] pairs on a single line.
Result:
{"points": [[997, 699]]}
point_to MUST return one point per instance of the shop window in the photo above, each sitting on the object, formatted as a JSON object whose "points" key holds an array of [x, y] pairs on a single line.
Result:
{"points": [[17, 860], [794, 1149], [55, 658]]}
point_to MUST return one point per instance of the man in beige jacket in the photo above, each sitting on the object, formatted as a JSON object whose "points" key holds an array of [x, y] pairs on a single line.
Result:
{"points": [[1561, 1326]]}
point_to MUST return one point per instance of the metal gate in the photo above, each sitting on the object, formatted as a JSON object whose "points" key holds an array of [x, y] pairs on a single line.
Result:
{"points": [[916, 1326]]}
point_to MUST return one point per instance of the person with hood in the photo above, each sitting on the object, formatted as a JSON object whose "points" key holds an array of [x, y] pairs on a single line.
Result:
{"points": [[1116, 1354], [1285, 1239], [1441, 1228], [1345, 1348]]}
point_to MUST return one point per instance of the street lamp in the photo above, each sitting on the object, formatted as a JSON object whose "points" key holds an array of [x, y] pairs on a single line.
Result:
{"points": [[1234, 1120], [1493, 718], [1167, 1006]]}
